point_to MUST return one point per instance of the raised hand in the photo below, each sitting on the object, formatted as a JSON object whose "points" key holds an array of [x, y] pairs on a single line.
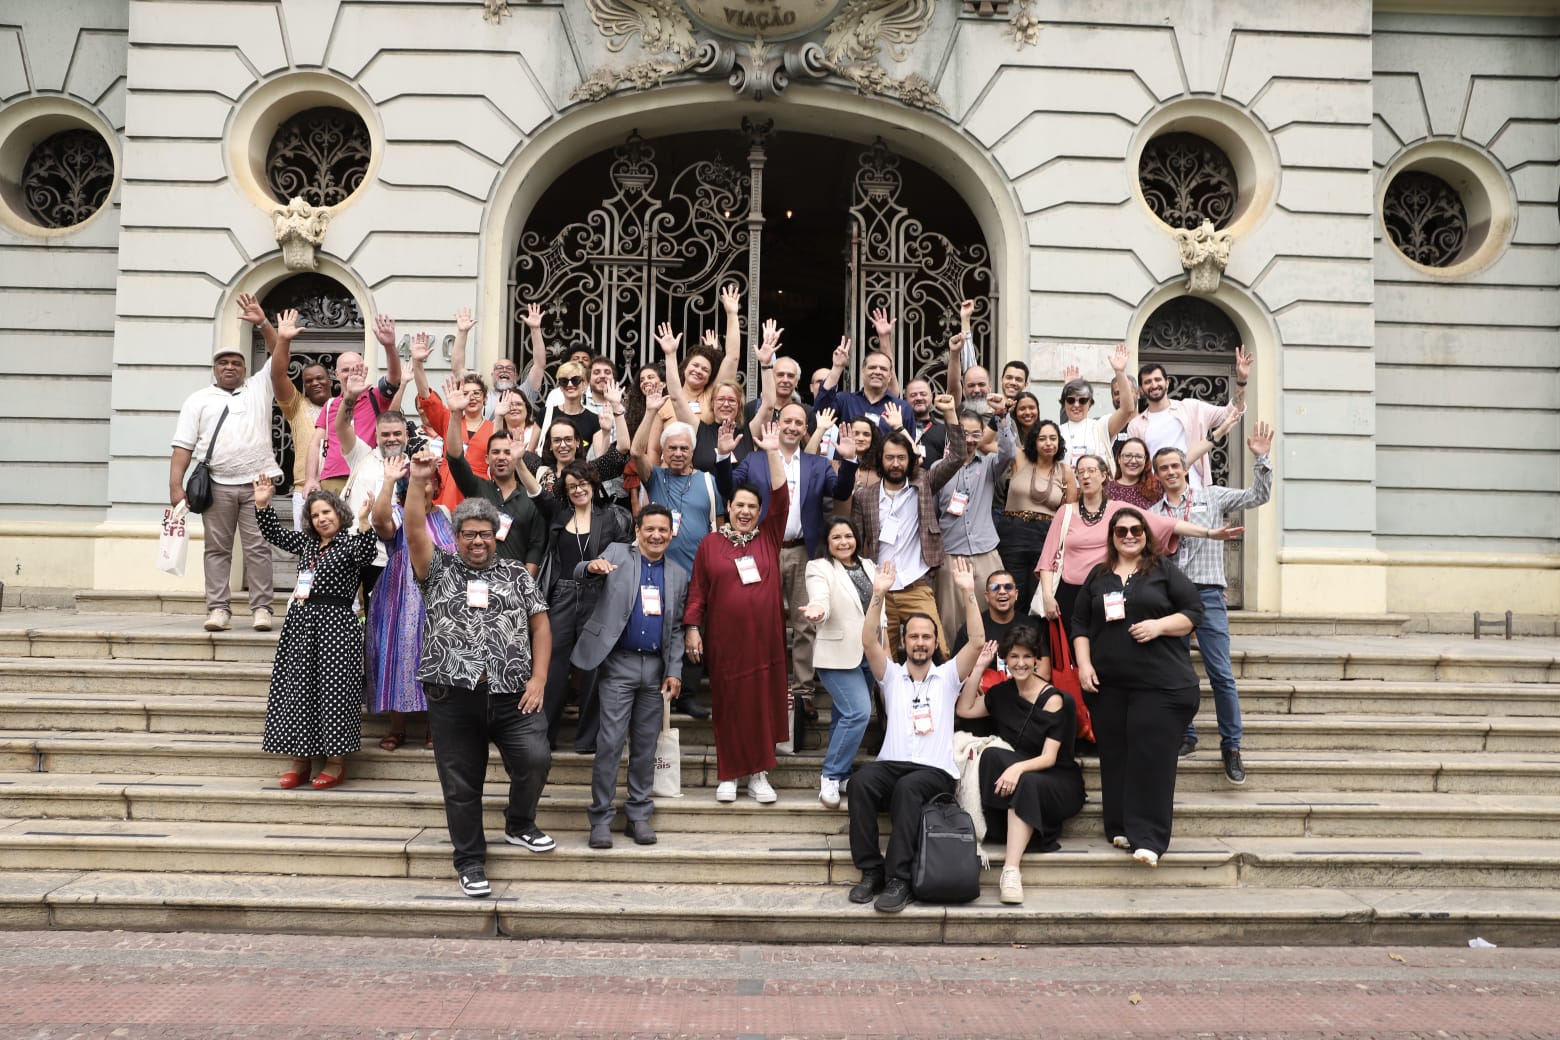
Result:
{"points": [[463, 320], [654, 401], [726, 438], [613, 395], [882, 324], [842, 353], [998, 404], [988, 654], [956, 342], [730, 298], [966, 311], [1221, 431], [249, 309], [844, 443], [533, 315], [892, 416], [424, 465], [770, 346], [963, 575], [1070, 373], [1119, 358], [422, 348], [1242, 364], [665, 339], [708, 339], [883, 580], [384, 330], [287, 326], [454, 393], [1261, 440], [768, 438], [944, 404], [827, 417], [353, 385], [263, 491], [396, 467]]}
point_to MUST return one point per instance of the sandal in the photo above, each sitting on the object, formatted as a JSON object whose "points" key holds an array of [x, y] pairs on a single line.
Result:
{"points": [[428, 741], [298, 774], [326, 780], [391, 741]]}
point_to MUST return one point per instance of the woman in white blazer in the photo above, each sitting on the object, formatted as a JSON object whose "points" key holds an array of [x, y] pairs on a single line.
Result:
{"points": [[839, 585]]}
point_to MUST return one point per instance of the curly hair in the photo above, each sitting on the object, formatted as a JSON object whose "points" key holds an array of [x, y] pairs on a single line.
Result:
{"points": [[330, 498]]}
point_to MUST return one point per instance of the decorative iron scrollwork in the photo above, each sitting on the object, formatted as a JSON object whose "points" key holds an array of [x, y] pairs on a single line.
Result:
{"points": [[918, 275], [67, 177], [321, 303], [1186, 180], [1425, 218], [320, 155], [1188, 325]]}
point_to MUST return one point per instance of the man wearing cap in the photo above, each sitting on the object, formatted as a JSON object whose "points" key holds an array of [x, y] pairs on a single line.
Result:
{"points": [[228, 425]]}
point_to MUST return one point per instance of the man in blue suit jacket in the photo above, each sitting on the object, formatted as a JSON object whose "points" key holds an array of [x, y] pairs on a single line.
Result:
{"points": [[815, 487], [635, 637]]}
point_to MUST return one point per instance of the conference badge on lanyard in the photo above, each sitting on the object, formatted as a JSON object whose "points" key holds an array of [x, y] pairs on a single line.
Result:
{"points": [[747, 569]]}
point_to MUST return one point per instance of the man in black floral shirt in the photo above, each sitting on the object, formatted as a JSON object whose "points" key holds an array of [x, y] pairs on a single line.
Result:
{"points": [[486, 621]]}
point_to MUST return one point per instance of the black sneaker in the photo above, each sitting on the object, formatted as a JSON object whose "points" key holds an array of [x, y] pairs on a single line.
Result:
{"points": [[533, 838], [1234, 769], [895, 897], [871, 884], [474, 882], [640, 831], [690, 707], [1188, 745]]}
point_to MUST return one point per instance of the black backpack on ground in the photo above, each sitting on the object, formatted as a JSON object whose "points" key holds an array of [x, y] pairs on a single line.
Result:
{"points": [[947, 862]]}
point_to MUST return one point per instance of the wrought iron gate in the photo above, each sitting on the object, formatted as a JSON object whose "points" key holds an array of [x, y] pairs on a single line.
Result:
{"points": [[661, 242], [1196, 343]]}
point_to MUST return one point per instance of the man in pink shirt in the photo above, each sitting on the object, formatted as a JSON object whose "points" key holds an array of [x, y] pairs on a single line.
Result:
{"points": [[1184, 424], [329, 469]]}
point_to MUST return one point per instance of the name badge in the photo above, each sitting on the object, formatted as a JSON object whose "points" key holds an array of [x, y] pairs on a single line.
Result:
{"points": [[747, 569], [1115, 606], [676, 522], [921, 716], [957, 504], [890, 530], [477, 595], [305, 583], [650, 600], [505, 522]]}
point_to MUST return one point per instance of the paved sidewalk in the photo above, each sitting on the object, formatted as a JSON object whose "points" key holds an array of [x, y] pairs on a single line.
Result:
{"points": [[87, 986]]}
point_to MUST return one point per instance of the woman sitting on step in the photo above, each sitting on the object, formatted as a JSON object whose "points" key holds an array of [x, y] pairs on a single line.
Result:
{"points": [[315, 704]]}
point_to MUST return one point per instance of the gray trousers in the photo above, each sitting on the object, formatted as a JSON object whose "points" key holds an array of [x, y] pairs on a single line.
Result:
{"points": [[233, 509], [628, 697], [793, 572]]}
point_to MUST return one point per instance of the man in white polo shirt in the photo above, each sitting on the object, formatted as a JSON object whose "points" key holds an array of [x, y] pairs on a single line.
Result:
{"points": [[229, 424]]}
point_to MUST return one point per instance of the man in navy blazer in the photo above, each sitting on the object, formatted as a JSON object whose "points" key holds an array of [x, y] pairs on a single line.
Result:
{"points": [[815, 487], [635, 638]]}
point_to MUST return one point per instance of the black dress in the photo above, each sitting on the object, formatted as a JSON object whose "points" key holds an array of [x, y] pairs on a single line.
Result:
{"points": [[1045, 799], [315, 703]]}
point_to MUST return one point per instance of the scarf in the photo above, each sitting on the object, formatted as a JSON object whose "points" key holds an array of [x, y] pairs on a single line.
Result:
{"points": [[737, 538]]}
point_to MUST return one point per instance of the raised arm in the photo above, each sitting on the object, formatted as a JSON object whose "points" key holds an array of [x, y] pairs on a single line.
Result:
{"points": [[1127, 410], [765, 352], [614, 395], [536, 375], [871, 642], [1215, 435], [643, 462], [971, 705], [463, 323], [346, 433], [731, 302], [422, 350], [669, 343], [831, 382], [383, 515], [454, 403], [1242, 377], [944, 469], [956, 369], [768, 441], [384, 332], [974, 624], [826, 419]]}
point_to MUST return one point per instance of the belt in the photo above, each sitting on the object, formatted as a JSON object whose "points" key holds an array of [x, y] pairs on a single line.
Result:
{"points": [[319, 599], [1027, 515], [642, 653], [794, 543]]}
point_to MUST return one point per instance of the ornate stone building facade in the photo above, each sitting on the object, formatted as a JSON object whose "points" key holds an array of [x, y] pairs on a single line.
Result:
{"points": [[1365, 194]]}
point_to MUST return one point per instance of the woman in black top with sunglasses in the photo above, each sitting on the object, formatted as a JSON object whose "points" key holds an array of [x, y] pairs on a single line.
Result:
{"points": [[1129, 622]]}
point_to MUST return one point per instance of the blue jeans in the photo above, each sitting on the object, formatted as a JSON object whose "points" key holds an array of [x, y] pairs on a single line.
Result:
{"points": [[852, 700], [1213, 642]]}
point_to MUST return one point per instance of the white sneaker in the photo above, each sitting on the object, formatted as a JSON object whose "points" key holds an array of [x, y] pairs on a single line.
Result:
{"points": [[726, 791], [1011, 888], [262, 619], [829, 792], [1121, 842], [758, 787], [1147, 857], [219, 620]]}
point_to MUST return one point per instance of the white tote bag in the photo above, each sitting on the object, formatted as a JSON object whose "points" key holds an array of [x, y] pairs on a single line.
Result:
{"points": [[173, 545], [668, 757]]}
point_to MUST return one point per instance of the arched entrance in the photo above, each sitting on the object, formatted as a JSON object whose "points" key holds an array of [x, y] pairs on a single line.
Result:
{"points": [[1195, 341], [816, 231]]}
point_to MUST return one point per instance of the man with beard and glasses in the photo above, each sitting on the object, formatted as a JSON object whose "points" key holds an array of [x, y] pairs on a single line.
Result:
{"points": [[916, 764], [1184, 424]]}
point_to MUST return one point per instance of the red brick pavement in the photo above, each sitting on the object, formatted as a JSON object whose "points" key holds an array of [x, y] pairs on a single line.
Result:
{"points": [[85, 986]]}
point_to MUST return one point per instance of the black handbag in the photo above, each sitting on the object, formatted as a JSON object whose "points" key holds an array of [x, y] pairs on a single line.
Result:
{"points": [[197, 489], [947, 861]]}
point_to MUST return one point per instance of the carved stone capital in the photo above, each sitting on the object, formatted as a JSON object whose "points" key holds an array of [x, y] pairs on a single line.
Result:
{"points": [[1205, 253], [300, 229]]}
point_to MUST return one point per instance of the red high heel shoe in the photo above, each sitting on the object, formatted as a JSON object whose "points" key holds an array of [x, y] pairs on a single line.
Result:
{"points": [[295, 776], [326, 781]]}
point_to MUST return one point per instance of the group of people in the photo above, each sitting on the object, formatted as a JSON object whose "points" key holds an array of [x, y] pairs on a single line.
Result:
{"points": [[628, 543]]}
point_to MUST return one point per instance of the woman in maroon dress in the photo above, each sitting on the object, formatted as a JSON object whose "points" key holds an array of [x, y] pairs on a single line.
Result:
{"points": [[736, 615]]}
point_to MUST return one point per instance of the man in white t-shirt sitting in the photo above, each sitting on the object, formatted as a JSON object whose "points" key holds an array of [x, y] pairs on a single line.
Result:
{"points": [[1086, 436], [916, 763]]}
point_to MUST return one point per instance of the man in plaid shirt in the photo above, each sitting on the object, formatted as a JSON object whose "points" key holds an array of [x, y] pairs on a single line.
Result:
{"points": [[1202, 560]]}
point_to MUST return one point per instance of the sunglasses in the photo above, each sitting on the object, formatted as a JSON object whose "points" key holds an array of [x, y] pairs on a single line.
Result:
{"points": [[1129, 532], [1078, 400], [1006, 587], [571, 381]]}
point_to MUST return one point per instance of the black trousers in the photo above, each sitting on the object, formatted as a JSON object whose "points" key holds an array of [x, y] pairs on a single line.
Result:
{"points": [[903, 788], [566, 614], [1138, 734]]}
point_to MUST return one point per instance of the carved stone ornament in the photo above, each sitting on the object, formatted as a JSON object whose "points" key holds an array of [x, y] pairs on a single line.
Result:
{"points": [[1205, 253], [1024, 29], [300, 228], [493, 11], [761, 64]]}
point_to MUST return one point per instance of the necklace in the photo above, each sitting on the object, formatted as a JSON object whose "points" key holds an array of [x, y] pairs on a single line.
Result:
{"points": [[1095, 517]]}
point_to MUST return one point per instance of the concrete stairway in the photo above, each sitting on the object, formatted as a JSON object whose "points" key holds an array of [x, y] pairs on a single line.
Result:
{"points": [[1401, 789]]}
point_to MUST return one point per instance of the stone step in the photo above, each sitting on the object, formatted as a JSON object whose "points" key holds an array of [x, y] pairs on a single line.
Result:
{"points": [[242, 716], [1228, 812], [793, 859], [1256, 623], [405, 907]]}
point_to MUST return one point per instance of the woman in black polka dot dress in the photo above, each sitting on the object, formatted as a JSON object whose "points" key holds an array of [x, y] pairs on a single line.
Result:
{"points": [[315, 705]]}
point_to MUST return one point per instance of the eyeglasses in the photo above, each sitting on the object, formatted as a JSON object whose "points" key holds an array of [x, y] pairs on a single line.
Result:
{"points": [[477, 536], [1135, 531], [1078, 400], [571, 381], [1004, 587], [1133, 458]]}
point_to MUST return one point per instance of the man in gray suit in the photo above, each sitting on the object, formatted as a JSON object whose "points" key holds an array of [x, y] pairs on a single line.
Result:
{"points": [[635, 638]]}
